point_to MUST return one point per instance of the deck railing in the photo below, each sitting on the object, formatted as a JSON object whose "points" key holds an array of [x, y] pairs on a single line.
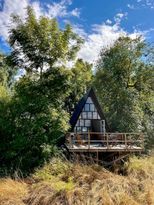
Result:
{"points": [[107, 140]]}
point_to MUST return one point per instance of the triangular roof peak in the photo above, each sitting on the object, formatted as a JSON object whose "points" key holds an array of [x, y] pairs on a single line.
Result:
{"points": [[79, 107]]}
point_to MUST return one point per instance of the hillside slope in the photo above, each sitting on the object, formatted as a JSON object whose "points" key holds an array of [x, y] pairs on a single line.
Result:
{"points": [[62, 182]]}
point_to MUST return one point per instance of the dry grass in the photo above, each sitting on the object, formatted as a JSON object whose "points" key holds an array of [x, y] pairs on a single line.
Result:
{"points": [[64, 183], [12, 192]]}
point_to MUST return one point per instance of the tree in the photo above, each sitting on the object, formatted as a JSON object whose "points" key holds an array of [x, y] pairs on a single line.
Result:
{"points": [[7, 71], [38, 45], [81, 80], [33, 122], [123, 82], [34, 119]]}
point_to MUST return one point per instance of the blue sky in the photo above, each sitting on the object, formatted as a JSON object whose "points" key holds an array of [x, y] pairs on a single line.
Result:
{"points": [[99, 22]]}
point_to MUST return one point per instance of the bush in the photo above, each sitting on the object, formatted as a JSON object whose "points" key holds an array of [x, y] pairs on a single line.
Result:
{"points": [[31, 125]]}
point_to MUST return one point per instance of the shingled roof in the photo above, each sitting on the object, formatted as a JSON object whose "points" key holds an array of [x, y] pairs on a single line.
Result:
{"points": [[80, 105]]}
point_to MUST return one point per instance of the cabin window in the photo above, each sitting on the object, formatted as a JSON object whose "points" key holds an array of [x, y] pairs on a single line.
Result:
{"points": [[92, 107], [86, 107], [89, 100], [78, 129], [84, 129], [94, 115], [84, 115], [81, 123], [90, 115], [87, 123]]}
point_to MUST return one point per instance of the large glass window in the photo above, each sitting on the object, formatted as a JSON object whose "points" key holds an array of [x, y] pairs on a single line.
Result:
{"points": [[84, 129], [81, 123], [84, 115], [94, 115], [92, 107], [78, 129], [89, 100], [87, 123], [86, 107], [90, 115]]}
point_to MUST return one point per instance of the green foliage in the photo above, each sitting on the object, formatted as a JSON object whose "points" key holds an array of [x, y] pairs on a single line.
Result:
{"points": [[124, 85], [7, 71], [81, 80], [42, 43], [54, 174], [35, 117], [35, 110], [140, 167]]}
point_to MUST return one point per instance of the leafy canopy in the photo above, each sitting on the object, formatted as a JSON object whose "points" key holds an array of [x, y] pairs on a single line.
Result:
{"points": [[40, 44], [124, 85]]}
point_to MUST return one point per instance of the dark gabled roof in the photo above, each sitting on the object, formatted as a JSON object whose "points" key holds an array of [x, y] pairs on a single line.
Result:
{"points": [[80, 105]]}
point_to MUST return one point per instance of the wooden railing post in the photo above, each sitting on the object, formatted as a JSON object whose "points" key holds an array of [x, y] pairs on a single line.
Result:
{"points": [[125, 141], [107, 138], [88, 139]]}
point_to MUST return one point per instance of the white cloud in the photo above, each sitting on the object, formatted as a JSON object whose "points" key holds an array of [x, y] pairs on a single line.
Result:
{"points": [[61, 9], [75, 12], [103, 36], [149, 3], [108, 21], [10, 7], [142, 4], [57, 9], [130, 6], [79, 30], [37, 8], [18, 7], [119, 17]]}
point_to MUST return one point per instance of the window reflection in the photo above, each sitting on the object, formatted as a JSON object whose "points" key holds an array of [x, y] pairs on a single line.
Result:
{"points": [[86, 107]]}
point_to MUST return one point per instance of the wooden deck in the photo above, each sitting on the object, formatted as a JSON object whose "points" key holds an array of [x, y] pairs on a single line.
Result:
{"points": [[105, 142]]}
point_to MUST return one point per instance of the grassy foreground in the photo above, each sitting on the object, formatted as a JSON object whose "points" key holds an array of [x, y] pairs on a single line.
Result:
{"points": [[61, 182]]}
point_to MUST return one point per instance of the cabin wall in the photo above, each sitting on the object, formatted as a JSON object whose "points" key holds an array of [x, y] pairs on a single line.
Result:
{"points": [[89, 113]]}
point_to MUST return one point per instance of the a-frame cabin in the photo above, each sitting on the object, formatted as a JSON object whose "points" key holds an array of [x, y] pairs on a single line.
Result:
{"points": [[88, 115], [90, 132]]}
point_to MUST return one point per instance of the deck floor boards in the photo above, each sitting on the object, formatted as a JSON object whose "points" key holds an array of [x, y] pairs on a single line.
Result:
{"points": [[118, 148]]}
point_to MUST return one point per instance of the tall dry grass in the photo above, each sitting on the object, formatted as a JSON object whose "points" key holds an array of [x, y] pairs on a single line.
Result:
{"points": [[12, 192], [63, 183]]}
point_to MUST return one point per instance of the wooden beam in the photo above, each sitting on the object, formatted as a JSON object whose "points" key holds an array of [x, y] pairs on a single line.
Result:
{"points": [[88, 140], [107, 141]]}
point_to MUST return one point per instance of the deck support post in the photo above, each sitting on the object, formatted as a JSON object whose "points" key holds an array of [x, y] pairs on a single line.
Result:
{"points": [[72, 141], [97, 156]]}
